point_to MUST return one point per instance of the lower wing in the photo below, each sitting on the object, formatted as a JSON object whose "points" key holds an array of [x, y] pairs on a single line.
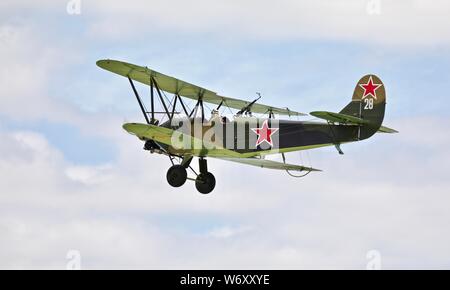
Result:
{"points": [[263, 163]]}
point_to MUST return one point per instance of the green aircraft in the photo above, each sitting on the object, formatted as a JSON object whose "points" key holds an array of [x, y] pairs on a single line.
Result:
{"points": [[243, 138]]}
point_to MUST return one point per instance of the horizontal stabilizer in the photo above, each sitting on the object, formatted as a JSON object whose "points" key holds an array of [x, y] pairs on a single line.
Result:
{"points": [[386, 130], [338, 118], [263, 163]]}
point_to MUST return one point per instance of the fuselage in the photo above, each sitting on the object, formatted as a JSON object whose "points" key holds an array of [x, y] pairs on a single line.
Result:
{"points": [[251, 136]]}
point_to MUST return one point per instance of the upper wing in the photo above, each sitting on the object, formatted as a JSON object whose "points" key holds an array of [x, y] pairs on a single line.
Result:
{"points": [[263, 163], [185, 89]]}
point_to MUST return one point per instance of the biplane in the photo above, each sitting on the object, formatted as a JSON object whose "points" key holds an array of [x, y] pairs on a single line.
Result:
{"points": [[252, 132]]}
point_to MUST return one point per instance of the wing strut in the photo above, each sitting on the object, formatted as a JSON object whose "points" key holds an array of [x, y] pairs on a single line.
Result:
{"points": [[173, 107], [182, 104], [220, 105], [203, 110], [139, 101], [152, 100], [161, 98], [247, 109], [195, 109]]}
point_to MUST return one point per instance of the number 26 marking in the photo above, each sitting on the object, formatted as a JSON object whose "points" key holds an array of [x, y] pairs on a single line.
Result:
{"points": [[369, 104]]}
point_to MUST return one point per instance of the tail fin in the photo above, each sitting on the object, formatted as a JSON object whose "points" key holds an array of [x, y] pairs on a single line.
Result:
{"points": [[368, 103]]}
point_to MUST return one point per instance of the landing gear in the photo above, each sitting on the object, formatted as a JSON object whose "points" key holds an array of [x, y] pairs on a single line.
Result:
{"points": [[205, 181], [176, 175]]}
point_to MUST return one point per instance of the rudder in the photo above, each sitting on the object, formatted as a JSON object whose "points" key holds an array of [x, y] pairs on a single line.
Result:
{"points": [[368, 103]]}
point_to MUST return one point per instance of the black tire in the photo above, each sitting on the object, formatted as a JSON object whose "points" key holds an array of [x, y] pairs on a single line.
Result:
{"points": [[205, 182], [176, 175]]}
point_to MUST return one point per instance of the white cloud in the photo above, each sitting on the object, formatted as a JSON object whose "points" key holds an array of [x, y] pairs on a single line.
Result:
{"points": [[44, 243], [30, 72], [388, 193], [130, 217], [403, 22], [89, 175], [24, 78], [227, 232]]}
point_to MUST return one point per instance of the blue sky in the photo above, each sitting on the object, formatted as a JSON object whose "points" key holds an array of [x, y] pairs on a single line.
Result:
{"points": [[71, 173]]}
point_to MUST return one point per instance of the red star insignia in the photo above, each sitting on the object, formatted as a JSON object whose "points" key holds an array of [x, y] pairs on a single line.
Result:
{"points": [[265, 133], [370, 88]]}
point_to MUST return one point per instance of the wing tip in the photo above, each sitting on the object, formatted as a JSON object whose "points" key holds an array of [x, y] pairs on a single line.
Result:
{"points": [[104, 63], [101, 61]]}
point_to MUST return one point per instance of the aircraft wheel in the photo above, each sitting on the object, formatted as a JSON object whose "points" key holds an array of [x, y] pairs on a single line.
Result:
{"points": [[176, 175], [205, 182]]}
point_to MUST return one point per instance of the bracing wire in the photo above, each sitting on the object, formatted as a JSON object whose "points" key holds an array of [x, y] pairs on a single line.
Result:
{"points": [[164, 115], [167, 99], [223, 110], [231, 112], [309, 160], [207, 107]]}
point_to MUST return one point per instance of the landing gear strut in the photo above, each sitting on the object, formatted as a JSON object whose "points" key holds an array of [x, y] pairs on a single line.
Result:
{"points": [[205, 181]]}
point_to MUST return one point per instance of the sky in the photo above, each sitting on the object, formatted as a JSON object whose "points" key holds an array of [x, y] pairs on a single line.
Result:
{"points": [[72, 181]]}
